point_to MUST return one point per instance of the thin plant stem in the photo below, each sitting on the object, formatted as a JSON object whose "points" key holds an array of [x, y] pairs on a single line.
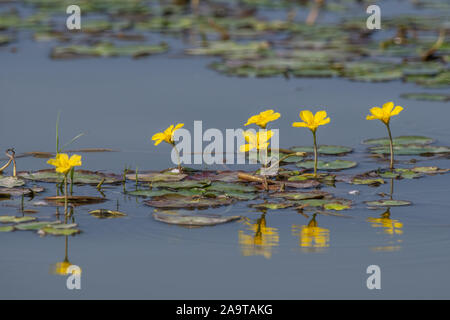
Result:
{"points": [[392, 189], [391, 146], [178, 158], [72, 172], [315, 154], [66, 196]]}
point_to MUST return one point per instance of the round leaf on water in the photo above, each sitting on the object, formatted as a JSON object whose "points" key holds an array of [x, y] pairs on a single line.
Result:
{"points": [[388, 203], [336, 206], [195, 202], [229, 187], [11, 182], [325, 150], [401, 140], [185, 184], [35, 225], [272, 205], [157, 177], [104, 213], [410, 150], [193, 220], [59, 232], [368, 181], [426, 97], [331, 166], [299, 195], [80, 177], [6, 228]]}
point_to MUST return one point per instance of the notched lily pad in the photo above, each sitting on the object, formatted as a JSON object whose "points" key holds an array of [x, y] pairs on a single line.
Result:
{"points": [[325, 150], [330, 166], [11, 182], [193, 220], [14, 219], [75, 200], [157, 177], [193, 202], [80, 177], [401, 140], [272, 205], [388, 203], [36, 225], [405, 150], [185, 184], [20, 191], [231, 187], [368, 181], [105, 214]]}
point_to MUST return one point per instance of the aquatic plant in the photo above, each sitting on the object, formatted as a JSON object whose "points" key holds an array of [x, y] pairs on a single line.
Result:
{"points": [[10, 153], [167, 136], [263, 118], [63, 164], [312, 122], [384, 114]]}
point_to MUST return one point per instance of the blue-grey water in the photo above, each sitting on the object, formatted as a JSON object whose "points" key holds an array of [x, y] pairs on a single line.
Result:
{"points": [[119, 103]]}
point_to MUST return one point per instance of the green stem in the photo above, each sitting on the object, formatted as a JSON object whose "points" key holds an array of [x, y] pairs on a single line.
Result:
{"points": [[391, 146], [66, 196], [315, 154], [178, 157]]}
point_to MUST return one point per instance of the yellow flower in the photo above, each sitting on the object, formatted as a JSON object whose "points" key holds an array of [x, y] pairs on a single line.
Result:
{"points": [[263, 118], [167, 135], [256, 141], [63, 164], [384, 114], [312, 121]]}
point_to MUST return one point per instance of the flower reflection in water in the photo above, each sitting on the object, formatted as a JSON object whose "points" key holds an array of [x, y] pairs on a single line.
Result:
{"points": [[390, 227], [261, 241], [312, 238]]}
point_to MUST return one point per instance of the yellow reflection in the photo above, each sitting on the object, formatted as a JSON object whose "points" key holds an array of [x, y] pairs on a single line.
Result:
{"points": [[312, 237], [388, 225], [261, 240]]}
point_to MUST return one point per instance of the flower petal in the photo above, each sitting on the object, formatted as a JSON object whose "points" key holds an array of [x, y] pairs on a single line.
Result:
{"points": [[307, 116], [396, 110], [299, 125]]}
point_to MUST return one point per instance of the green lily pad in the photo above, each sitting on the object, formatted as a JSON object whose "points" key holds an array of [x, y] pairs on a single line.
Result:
{"points": [[36, 225], [107, 50], [75, 200], [331, 166], [20, 191], [14, 219], [429, 170], [388, 203], [230, 187], [368, 181], [336, 206], [171, 201], [272, 205], [401, 140], [405, 150], [6, 228], [185, 184], [59, 232], [325, 150], [80, 177], [426, 97], [157, 177], [299, 195], [104, 213], [11, 182], [193, 220]]}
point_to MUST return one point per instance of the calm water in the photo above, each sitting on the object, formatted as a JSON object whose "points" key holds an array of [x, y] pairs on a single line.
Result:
{"points": [[119, 103]]}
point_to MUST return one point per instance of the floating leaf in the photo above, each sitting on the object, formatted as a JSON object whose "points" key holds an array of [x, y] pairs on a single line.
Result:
{"points": [[427, 97], [80, 177], [325, 150], [59, 231], [75, 200], [427, 170], [401, 140], [157, 177], [20, 191], [6, 228], [336, 206], [14, 219], [11, 182], [185, 184], [178, 201], [299, 195], [272, 205], [230, 187], [368, 181], [36, 225], [104, 213], [388, 203], [193, 220], [333, 165], [411, 150]]}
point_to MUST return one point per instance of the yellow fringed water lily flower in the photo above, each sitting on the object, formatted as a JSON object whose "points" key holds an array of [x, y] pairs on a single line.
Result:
{"points": [[312, 121], [263, 118], [385, 113], [62, 267], [257, 141], [63, 163], [167, 135]]}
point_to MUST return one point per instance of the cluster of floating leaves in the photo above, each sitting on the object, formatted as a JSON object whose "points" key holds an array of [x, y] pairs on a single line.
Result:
{"points": [[249, 44]]}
